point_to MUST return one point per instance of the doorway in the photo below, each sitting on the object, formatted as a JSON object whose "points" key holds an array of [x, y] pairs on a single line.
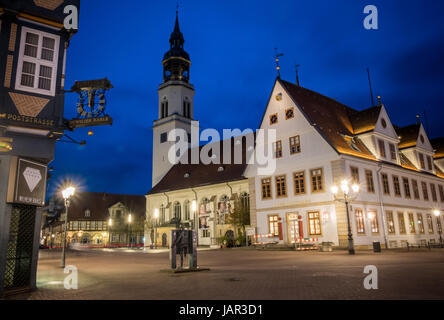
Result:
{"points": [[294, 227]]}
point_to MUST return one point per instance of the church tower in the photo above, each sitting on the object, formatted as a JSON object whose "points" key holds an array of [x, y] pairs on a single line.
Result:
{"points": [[176, 97]]}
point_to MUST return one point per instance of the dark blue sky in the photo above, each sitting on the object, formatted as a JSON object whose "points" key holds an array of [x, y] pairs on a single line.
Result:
{"points": [[231, 44]]}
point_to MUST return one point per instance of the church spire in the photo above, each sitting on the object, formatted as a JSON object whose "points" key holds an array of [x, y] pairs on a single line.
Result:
{"points": [[177, 40], [176, 62]]}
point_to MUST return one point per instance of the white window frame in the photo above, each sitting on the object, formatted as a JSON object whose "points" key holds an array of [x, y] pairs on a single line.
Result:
{"points": [[38, 61]]}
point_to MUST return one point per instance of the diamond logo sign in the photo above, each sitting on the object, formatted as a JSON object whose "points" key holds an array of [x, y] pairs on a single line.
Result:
{"points": [[32, 177]]}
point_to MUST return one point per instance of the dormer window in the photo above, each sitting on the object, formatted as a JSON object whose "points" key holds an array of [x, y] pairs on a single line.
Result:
{"points": [[392, 151], [87, 213], [421, 161], [429, 163], [381, 145]]}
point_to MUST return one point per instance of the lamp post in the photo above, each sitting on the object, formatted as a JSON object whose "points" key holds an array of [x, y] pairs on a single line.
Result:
{"points": [[67, 194], [110, 223], [347, 196], [156, 217], [437, 213], [129, 229]]}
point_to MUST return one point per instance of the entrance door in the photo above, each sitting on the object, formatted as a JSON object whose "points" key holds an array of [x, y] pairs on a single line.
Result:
{"points": [[294, 227]]}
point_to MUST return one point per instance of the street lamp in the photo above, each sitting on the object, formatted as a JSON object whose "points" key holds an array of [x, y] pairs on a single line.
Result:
{"points": [[347, 196], [156, 217], [67, 194], [437, 213], [129, 229]]}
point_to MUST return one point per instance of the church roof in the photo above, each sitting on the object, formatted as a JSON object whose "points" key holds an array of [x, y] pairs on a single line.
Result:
{"points": [[333, 120], [438, 146], [183, 176]]}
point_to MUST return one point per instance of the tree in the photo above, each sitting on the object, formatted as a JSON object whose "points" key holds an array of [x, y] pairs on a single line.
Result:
{"points": [[239, 216]]}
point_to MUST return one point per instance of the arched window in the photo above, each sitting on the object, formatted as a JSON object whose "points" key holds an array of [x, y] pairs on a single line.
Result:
{"points": [[186, 210], [164, 109], [162, 214], [177, 210], [223, 207], [204, 208]]}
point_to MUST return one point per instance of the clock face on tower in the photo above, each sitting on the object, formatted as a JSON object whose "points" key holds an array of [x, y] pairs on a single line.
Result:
{"points": [[289, 113], [273, 118]]}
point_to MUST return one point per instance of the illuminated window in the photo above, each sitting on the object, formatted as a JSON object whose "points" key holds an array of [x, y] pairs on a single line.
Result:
{"points": [[370, 183], [412, 228], [317, 183], [430, 223], [421, 223], [299, 182], [360, 225], [266, 188], [390, 222], [314, 223], [273, 225], [295, 145], [281, 186], [401, 222], [374, 225]]}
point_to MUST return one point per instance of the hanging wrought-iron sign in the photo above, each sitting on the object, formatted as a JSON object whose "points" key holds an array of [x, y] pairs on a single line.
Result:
{"points": [[91, 104]]}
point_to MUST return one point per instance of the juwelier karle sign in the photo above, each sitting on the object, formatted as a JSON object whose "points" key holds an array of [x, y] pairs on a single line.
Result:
{"points": [[27, 182]]}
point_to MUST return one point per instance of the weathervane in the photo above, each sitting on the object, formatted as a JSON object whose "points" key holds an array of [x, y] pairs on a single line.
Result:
{"points": [[277, 56]]}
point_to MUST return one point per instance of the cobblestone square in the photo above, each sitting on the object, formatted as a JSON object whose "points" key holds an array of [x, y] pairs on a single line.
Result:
{"points": [[243, 274]]}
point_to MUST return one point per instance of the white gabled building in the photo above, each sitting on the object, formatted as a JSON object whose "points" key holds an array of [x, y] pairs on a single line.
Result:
{"points": [[321, 142]]}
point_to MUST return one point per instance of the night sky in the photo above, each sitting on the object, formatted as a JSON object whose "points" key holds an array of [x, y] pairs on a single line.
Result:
{"points": [[231, 45]]}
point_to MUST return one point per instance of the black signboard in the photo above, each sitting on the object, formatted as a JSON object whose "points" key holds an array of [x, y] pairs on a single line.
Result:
{"points": [[90, 122], [27, 182]]}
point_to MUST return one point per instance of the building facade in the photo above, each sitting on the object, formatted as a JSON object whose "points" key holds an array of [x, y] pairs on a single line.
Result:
{"points": [[215, 189], [321, 142], [33, 49], [99, 219]]}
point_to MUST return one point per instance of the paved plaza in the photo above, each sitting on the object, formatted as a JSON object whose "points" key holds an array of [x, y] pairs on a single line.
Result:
{"points": [[243, 274]]}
